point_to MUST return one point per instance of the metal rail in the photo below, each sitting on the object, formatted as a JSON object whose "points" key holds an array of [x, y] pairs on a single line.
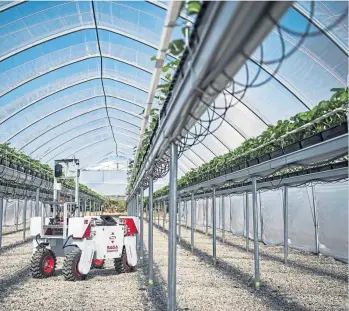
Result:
{"points": [[329, 175], [27, 183], [329, 149]]}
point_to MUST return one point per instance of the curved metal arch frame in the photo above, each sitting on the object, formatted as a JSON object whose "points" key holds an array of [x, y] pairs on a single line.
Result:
{"points": [[275, 78], [89, 145], [96, 162], [97, 142], [76, 127], [110, 152], [12, 5], [113, 151], [80, 135], [202, 143], [79, 60], [306, 15], [66, 88], [243, 135], [195, 165], [65, 107], [162, 6], [74, 30], [190, 160], [187, 156], [78, 116], [121, 144]]}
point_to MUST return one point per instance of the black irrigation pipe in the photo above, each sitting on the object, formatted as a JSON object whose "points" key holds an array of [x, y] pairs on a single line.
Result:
{"points": [[101, 64]]}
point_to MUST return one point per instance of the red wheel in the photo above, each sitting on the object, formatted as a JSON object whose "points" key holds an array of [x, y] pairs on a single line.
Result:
{"points": [[70, 266], [97, 264], [48, 264], [43, 263]]}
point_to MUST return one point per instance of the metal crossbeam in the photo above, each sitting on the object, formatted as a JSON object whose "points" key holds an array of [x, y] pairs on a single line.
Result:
{"points": [[329, 149]]}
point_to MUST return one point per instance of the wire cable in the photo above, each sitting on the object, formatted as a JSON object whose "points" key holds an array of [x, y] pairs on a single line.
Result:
{"points": [[101, 64]]}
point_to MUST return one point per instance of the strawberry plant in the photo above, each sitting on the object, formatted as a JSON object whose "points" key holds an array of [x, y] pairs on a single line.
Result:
{"points": [[283, 133]]}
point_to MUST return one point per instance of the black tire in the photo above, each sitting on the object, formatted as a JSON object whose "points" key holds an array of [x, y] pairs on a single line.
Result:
{"points": [[121, 265], [43, 263], [97, 265], [70, 266]]}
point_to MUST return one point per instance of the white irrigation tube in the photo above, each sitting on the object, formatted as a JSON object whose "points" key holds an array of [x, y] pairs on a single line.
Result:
{"points": [[170, 22]]}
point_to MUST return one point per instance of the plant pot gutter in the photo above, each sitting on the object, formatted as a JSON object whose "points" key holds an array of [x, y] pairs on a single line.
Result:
{"points": [[170, 22]]}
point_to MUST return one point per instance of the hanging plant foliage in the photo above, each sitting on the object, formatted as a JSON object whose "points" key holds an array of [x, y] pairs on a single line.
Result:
{"points": [[328, 119]]}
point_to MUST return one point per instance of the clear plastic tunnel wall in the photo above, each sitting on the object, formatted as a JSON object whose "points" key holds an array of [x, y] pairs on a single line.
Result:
{"points": [[220, 127]]}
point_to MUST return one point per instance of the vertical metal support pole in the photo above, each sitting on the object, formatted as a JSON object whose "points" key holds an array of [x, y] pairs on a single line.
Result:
{"points": [[171, 306], [147, 211], [17, 213], [285, 214], [179, 219], [164, 216], [206, 214], [195, 218], [25, 217], [137, 215], [37, 202], [316, 222], [255, 234], [150, 237], [192, 222], [158, 204], [137, 205], [1, 220], [141, 253], [223, 218], [230, 216], [5, 205], [214, 226], [186, 214], [31, 209], [77, 198], [247, 223], [84, 210], [90, 208]]}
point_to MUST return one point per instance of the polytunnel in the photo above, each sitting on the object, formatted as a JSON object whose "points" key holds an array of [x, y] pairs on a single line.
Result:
{"points": [[220, 125]]}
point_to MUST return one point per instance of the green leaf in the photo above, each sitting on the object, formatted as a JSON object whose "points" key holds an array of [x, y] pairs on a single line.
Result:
{"points": [[193, 7], [176, 47]]}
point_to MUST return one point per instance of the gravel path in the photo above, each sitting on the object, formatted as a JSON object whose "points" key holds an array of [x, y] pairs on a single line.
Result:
{"points": [[309, 282], [103, 290]]}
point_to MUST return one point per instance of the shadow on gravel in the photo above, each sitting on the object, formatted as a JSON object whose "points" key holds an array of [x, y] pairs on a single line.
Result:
{"points": [[159, 295], [269, 295], [9, 284], [290, 263], [11, 246]]}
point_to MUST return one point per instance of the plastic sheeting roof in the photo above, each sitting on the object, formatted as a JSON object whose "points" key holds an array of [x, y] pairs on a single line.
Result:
{"points": [[51, 97]]}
